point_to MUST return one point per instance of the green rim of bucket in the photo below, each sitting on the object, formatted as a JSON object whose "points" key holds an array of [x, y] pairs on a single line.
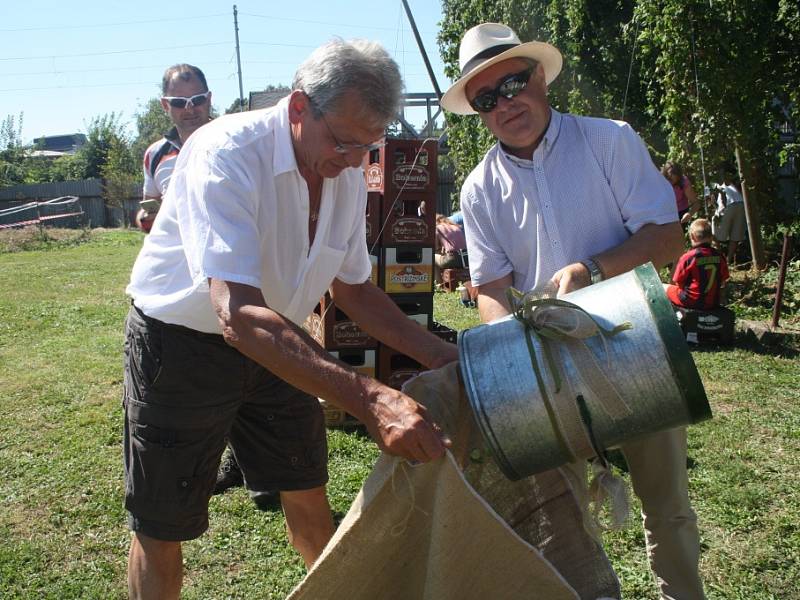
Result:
{"points": [[680, 359], [480, 414]]}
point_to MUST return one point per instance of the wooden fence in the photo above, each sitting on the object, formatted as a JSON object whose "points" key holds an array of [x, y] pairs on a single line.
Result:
{"points": [[96, 213]]}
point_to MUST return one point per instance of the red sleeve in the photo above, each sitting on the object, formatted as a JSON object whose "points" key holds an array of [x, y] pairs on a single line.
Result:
{"points": [[682, 269], [724, 275]]}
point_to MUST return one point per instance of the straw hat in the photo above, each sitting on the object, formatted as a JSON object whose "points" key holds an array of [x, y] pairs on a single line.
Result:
{"points": [[490, 43]]}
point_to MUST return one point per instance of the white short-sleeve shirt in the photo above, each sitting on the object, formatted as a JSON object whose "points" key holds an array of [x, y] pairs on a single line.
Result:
{"points": [[589, 185], [237, 209]]}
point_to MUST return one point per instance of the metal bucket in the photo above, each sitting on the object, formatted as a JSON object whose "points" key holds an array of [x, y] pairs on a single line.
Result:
{"points": [[641, 381]]}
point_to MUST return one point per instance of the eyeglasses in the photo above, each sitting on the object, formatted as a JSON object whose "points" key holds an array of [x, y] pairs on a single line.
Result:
{"points": [[508, 88], [341, 148], [183, 102]]}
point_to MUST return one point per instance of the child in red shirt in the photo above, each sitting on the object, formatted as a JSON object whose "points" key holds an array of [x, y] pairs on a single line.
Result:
{"points": [[701, 272]]}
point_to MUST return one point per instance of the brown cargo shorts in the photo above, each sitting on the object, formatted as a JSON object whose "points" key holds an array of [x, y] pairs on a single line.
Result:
{"points": [[187, 394]]}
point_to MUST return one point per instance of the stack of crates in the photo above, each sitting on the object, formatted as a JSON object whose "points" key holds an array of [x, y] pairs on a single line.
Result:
{"points": [[400, 177]]}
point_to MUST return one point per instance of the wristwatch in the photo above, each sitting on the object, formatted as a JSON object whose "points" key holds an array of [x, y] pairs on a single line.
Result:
{"points": [[595, 274]]}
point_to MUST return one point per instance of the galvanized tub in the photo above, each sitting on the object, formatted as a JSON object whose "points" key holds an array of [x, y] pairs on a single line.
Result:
{"points": [[538, 412]]}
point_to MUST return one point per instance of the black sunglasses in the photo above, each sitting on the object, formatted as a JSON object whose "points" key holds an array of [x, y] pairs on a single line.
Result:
{"points": [[183, 102], [508, 88]]}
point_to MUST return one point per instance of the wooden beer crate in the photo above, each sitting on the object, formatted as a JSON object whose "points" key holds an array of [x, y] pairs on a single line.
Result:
{"points": [[407, 270], [452, 277], [333, 329], [395, 368], [336, 417]]}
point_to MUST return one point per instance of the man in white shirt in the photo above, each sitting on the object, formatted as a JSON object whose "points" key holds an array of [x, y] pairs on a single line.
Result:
{"points": [[729, 224], [264, 213], [559, 203]]}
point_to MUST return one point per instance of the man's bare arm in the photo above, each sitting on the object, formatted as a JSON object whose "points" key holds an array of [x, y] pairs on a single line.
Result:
{"points": [[380, 317], [659, 244], [397, 423], [492, 301]]}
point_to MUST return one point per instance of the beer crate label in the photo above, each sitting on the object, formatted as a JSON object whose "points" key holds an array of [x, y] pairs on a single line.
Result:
{"points": [[410, 177], [374, 177], [410, 229], [400, 376], [348, 333], [409, 279]]}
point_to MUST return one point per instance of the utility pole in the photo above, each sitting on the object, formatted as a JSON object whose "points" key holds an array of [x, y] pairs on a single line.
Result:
{"points": [[753, 229], [238, 58], [429, 126], [422, 50]]}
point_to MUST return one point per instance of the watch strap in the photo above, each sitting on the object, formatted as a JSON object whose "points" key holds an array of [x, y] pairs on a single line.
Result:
{"points": [[595, 274]]}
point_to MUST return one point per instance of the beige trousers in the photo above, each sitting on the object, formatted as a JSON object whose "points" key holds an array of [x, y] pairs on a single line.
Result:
{"points": [[657, 466]]}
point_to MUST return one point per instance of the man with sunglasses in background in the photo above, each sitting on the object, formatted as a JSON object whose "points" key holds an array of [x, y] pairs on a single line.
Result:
{"points": [[264, 213], [187, 102], [559, 203]]}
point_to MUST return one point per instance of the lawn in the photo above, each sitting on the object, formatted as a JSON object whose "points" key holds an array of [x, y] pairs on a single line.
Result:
{"points": [[62, 524]]}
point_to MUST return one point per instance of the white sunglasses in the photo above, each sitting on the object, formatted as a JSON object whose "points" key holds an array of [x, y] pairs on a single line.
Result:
{"points": [[183, 102]]}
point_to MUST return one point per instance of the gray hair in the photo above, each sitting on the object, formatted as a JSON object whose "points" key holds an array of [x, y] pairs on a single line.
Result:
{"points": [[359, 66]]}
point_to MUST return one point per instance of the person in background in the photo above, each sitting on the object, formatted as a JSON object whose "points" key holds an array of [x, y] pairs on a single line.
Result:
{"points": [[559, 203], [701, 273], [451, 245], [187, 101], [457, 218], [685, 197], [263, 214], [729, 224]]}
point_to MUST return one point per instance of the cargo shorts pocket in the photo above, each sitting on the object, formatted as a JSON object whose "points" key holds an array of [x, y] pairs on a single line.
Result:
{"points": [[299, 430], [143, 362], [170, 464]]}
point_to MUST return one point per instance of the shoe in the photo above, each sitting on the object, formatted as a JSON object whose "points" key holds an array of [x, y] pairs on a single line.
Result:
{"points": [[266, 501], [229, 474]]}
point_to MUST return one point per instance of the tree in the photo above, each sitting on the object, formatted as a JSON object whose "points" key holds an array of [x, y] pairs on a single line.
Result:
{"points": [[740, 51], [103, 134], [12, 151], [120, 172], [151, 124], [235, 107]]}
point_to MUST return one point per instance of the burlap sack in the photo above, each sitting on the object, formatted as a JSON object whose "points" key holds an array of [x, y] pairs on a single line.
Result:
{"points": [[420, 533], [424, 533], [544, 510]]}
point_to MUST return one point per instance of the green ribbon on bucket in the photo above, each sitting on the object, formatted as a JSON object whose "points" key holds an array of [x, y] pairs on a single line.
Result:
{"points": [[551, 319]]}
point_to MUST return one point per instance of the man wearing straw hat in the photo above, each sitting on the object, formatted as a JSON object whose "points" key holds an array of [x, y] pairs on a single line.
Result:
{"points": [[559, 203]]}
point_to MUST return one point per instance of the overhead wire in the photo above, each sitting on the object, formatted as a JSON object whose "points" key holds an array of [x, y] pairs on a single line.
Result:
{"points": [[312, 22], [55, 58], [107, 25], [112, 52]]}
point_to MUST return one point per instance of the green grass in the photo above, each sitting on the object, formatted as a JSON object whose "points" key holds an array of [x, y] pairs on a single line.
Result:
{"points": [[62, 525]]}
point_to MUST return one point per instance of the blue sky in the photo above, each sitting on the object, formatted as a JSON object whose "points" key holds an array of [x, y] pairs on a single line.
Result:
{"points": [[62, 63]]}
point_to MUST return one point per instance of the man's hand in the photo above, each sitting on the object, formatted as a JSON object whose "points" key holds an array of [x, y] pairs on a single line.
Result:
{"points": [[398, 424], [570, 278], [443, 355], [401, 427]]}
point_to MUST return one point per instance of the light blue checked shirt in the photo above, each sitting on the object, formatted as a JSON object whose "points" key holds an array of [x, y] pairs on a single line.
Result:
{"points": [[590, 185]]}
